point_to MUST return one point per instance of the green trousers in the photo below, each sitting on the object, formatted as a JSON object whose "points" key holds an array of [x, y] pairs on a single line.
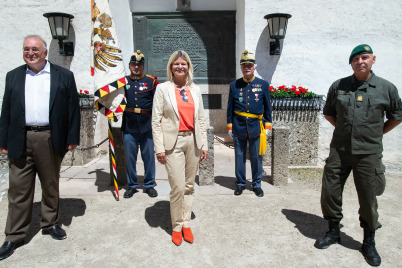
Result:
{"points": [[369, 179]]}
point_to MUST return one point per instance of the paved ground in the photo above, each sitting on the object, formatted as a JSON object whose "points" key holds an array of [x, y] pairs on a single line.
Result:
{"points": [[277, 230]]}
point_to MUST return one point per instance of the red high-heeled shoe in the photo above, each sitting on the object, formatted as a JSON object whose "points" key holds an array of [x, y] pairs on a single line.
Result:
{"points": [[188, 235], [177, 238]]}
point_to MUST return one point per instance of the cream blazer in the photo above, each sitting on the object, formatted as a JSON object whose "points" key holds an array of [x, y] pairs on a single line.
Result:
{"points": [[165, 118]]}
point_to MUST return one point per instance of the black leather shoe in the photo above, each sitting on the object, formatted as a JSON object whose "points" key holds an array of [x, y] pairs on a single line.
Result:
{"points": [[130, 192], [258, 192], [333, 236], [368, 249], [151, 192], [7, 249], [239, 190], [56, 232]]}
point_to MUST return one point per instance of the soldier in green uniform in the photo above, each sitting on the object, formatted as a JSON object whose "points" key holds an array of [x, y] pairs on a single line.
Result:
{"points": [[356, 106]]}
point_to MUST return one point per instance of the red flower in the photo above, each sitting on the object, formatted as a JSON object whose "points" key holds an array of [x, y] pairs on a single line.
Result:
{"points": [[86, 92]]}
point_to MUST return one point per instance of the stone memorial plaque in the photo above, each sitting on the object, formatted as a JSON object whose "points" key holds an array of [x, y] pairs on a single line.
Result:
{"points": [[208, 37]]}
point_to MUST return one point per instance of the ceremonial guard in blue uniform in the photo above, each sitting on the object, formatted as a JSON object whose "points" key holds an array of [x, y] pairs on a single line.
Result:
{"points": [[249, 120], [136, 126]]}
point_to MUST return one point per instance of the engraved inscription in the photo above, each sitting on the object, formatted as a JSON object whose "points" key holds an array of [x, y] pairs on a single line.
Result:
{"points": [[208, 38], [188, 37]]}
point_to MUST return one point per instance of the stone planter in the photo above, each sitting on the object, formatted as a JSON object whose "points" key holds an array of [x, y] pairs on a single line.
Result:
{"points": [[301, 116]]}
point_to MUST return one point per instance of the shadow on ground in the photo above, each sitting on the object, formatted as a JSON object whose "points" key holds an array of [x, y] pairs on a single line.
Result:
{"points": [[229, 182], [315, 227], [69, 208], [158, 215]]}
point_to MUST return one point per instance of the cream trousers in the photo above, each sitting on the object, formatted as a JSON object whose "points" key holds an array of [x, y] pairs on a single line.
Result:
{"points": [[182, 165]]}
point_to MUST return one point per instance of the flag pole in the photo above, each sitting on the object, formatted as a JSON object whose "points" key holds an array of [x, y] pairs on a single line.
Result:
{"points": [[113, 161]]}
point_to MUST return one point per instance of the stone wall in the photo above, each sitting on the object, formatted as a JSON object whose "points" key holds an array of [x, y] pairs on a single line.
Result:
{"points": [[3, 161], [87, 133], [303, 135], [206, 171]]}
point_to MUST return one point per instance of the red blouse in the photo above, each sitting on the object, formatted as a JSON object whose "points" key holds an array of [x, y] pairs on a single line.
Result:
{"points": [[186, 109]]}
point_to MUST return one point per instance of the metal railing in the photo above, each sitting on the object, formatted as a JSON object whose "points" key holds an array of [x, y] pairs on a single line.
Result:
{"points": [[297, 104]]}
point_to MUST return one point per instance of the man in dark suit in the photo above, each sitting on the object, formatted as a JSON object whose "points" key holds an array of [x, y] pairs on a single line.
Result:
{"points": [[39, 123]]}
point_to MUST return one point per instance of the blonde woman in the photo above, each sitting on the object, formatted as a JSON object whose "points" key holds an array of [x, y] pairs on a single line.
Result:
{"points": [[179, 133]]}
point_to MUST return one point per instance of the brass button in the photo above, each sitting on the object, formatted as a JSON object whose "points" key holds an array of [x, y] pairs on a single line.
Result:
{"points": [[136, 99], [136, 105]]}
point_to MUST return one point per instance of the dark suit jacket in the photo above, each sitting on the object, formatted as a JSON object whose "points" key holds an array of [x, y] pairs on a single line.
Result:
{"points": [[64, 111]]}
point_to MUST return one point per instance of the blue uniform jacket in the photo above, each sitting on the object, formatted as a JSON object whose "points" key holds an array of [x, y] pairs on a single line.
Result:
{"points": [[251, 98], [139, 94]]}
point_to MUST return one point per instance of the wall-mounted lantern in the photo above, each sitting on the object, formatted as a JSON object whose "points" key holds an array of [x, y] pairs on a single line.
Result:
{"points": [[277, 24], [59, 26]]}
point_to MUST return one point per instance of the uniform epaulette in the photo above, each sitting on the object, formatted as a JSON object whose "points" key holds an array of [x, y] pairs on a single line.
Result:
{"points": [[156, 82]]}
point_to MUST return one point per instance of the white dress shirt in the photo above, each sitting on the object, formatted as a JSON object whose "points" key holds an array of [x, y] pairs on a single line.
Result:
{"points": [[37, 96]]}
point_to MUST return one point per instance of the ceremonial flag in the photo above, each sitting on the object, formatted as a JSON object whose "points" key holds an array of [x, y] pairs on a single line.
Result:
{"points": [[108, 71], [107, 63]]}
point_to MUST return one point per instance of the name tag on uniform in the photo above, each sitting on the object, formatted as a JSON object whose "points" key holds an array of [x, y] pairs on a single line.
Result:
{"points": [[360, 98], [342, 92]]}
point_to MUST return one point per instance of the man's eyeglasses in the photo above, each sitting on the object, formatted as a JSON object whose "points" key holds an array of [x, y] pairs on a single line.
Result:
{"points": [[34, 49], [184, 95]]}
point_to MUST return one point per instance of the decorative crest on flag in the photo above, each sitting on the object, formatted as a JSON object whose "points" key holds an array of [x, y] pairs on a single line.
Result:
{"points": [[107, 65]]}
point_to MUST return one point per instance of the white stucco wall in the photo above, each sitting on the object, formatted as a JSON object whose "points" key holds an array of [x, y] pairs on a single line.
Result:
{"points": [[315, 52], [122, 18], [170, 5], [319, 39], [24, 17], [154, 5]]}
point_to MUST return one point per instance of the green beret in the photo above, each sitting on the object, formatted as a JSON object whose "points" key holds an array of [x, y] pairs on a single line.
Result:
{"points": [[360, 49]]}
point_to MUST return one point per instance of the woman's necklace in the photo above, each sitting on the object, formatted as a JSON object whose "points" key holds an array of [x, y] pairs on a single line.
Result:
{"points": [[183, 93]]}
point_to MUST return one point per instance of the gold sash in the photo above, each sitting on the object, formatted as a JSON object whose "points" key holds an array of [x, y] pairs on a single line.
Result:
{"points": [[263, 135]]}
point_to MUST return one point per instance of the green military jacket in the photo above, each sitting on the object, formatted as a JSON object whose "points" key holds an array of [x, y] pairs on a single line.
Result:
{"points": [[359, 108]]}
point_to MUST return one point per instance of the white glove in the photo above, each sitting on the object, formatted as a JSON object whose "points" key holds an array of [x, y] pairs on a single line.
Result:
{"points": [[230, 133], [267, 131]]}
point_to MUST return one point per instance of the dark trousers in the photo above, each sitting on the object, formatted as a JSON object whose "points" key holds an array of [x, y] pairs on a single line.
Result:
{"points": [[240, 148], [39, 158], [145, 142], [369, 179]]}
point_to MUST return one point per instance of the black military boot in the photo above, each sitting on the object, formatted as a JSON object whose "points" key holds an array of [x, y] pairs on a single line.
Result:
{"points": [[331, 237], [368, 249]]}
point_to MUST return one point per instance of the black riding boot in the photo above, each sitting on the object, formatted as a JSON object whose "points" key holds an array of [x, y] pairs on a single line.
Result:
{"points": [[331, 237], [368, 249]]}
